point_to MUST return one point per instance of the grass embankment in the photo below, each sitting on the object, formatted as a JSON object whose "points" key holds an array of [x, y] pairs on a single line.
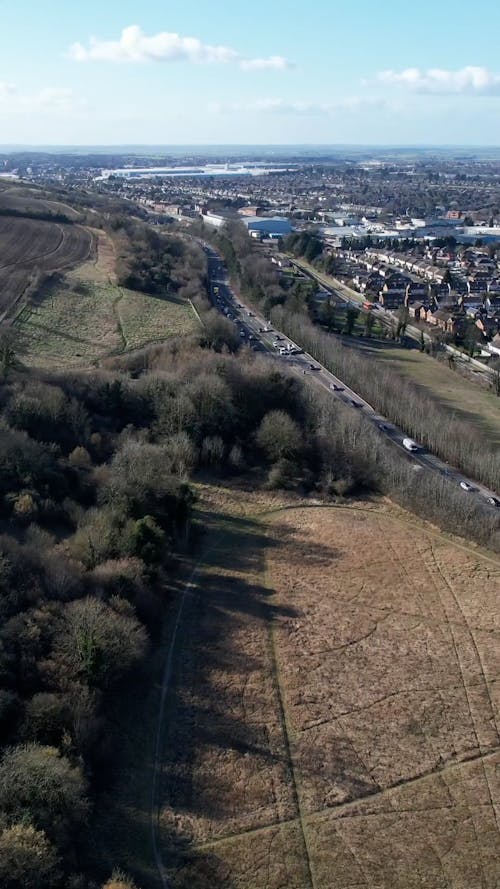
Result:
{"points": [[330, 283], [467, 399], [332, 716], [87, 316]]}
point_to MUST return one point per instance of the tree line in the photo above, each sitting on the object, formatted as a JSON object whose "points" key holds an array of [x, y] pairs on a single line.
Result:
{"points": [[422, 417]]}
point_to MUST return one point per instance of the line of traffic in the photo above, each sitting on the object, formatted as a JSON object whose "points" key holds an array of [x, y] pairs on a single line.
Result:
{"points": [[262, 337]]}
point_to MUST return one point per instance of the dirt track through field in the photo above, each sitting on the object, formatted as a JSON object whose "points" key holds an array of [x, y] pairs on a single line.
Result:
{"points": [[333, 706]]}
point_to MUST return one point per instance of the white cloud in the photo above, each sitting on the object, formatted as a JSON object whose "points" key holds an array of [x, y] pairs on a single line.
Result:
{"points": [[273, 63], [47, 99], [283, 106], [471, 80], [135, 46], [58, 98], [6, 90]]}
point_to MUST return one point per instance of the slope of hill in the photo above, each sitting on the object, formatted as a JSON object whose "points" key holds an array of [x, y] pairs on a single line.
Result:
{"points": [[35, 240], [81, 314]]}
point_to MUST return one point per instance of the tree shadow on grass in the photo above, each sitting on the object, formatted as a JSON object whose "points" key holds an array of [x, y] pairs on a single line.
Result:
{"points": [[226, 750]]}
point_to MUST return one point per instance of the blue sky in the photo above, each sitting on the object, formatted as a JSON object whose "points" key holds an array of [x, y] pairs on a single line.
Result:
{"points": [[249, 71]]}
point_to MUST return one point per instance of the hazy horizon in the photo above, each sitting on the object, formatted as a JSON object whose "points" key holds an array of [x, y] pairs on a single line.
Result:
{"points": [[240, 146]]}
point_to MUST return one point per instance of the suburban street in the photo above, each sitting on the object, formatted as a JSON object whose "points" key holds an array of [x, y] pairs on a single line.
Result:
{"points": [[261, 337], [387, 317]]}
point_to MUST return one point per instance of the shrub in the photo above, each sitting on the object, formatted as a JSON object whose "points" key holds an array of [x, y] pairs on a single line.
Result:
{"points": [[25, 508], [80, 458], [146, 540], [279, 436], [119, 880], [96, 644], [40, 783], [282, 474], [27, 859], [48, 716], [10, 709], [212, 451]]}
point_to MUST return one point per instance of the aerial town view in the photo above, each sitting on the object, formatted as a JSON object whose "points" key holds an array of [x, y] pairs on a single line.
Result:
{"points": [[249, 445]]}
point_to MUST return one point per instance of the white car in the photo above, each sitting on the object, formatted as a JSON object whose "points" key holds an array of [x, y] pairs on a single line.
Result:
{"points": [[467, 487]]}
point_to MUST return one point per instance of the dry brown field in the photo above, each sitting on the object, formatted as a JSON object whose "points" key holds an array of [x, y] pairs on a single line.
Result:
{"points": [[30, 199], [29, 246], [100, 267], [333, 711]]}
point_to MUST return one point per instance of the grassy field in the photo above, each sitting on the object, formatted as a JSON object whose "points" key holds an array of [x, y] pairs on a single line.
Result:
{"points": [[467, 399], [76, 324], [87, 316], [332, 717]]}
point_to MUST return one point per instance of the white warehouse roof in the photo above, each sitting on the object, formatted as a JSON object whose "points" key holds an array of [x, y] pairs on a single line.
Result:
{"points": [[274, 224]]}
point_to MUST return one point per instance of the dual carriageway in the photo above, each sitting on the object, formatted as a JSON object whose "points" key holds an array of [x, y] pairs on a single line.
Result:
{"points": [[262, 337]]}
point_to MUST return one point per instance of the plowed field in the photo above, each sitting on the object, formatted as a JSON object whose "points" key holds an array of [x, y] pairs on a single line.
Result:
{"points": [[333, 709], [28, 246]]}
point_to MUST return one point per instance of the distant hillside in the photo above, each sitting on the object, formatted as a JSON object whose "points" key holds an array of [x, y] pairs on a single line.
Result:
{"points": [[38, 236], [25, 200]]}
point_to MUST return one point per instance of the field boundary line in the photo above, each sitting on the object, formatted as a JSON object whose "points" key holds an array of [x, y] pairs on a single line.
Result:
{"points": [[341, 811], [466, 685], [160, 731], [465, 625], [38, 256], [195, 310], [119, 323], [485, 555], [263, 517], [286, 732]]}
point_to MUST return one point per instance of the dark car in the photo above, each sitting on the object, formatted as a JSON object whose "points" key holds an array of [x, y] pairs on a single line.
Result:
{"points": [[493, 501]]}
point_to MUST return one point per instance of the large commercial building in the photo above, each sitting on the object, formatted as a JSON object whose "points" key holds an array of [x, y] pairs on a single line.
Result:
{"points": [[270, 227]]}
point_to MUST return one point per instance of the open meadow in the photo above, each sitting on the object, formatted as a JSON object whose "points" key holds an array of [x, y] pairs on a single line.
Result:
{"points": [[332, 716], [85, 316]]}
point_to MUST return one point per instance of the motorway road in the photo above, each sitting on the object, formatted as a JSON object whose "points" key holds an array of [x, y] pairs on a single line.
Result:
{"points": [[259, 336]]}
